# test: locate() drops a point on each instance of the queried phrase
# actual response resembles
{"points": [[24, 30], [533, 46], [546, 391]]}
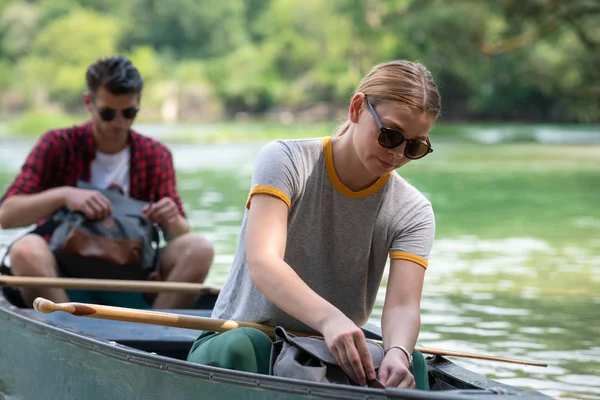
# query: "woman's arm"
{"points": [[266, 235], [401, 319]]}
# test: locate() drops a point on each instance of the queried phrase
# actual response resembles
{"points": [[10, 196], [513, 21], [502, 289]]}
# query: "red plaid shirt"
{"points": [[61, 157]]}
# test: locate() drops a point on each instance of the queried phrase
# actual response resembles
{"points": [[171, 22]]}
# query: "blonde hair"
{"points": [[403, 81]]}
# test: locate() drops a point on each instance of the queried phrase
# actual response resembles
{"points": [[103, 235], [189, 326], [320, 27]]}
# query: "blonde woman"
{"points": [[322, 217]]}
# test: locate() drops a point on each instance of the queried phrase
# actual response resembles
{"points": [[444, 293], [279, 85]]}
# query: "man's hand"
{"points": [[164, 212], [393, 371], [92, 203]]}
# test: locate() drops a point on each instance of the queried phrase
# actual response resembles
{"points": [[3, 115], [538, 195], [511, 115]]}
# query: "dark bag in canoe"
{"points": [[122, 246], [309, 358]]}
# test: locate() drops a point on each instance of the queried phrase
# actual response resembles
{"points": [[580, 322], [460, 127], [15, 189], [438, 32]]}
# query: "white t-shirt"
{"points": [[111, 170]]}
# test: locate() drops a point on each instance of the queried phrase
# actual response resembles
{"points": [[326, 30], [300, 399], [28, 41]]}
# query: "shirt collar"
{"points": [[88, 145]]}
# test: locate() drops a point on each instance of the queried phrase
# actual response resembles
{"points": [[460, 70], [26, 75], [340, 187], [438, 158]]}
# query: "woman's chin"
{"points": [[383, 166]]}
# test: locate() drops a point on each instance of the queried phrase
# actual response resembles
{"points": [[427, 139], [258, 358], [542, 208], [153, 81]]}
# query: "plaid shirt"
{"points": [[62, 157]]}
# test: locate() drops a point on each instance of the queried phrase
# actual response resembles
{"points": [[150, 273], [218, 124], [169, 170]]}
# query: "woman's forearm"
{"points": [[400, 325], [284, 288]]}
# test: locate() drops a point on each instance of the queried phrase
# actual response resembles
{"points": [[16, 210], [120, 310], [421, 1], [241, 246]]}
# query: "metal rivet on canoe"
{"points": [[210, 376]]}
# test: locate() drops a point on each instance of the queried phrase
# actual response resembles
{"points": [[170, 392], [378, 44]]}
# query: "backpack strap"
{"points": [[156, 241]]}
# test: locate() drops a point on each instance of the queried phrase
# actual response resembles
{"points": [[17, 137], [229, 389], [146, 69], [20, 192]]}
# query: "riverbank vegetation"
{"points": [[297, 62]]}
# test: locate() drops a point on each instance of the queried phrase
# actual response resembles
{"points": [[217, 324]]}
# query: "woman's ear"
{"points": [[356, 106]]}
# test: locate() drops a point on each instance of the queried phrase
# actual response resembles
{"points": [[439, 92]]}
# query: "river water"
{"points": [[515, 268]]}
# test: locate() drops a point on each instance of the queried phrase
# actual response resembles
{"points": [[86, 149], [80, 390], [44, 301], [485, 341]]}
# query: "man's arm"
{"points": [[26, 200], [25, 209], [177, 228], [178, 225]]}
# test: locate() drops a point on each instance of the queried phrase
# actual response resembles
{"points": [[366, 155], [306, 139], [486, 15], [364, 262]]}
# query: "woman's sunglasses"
{"points": [[108, 114], [390, 138]]}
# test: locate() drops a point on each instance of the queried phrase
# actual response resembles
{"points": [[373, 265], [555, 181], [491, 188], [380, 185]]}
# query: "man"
{"points": [[106, 152]]}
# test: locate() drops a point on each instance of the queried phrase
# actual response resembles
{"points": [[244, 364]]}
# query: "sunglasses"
{"points": [[391, 138], [108, 114]]}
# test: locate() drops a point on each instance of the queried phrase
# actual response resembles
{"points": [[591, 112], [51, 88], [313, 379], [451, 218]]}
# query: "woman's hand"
{"points": [[393, 371], [347, 343]]}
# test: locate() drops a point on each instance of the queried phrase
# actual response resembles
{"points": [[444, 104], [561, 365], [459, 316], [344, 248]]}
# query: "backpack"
{"points": [[122, 246], [309, 358]]}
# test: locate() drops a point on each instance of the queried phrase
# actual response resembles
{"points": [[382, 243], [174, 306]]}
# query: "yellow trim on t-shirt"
{"points": [[268, 190], [337, 183], [402, 255]]}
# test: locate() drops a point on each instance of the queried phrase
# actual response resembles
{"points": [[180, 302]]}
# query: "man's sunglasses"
{"points": [[108, 114], [390, 138]]}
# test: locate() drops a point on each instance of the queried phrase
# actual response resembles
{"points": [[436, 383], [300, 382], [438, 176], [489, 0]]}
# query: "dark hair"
{"points": [[116, 74]]}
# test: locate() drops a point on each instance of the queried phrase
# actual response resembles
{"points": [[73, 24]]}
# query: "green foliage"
{"points": [[534, 60], [187, 28], [19, 24], [35, 123], [61, 53]]}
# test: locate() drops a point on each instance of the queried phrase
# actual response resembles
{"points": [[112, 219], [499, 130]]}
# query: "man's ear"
{"points": [[87, 101]]}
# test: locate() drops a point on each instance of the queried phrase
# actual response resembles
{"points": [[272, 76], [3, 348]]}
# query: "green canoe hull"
{"points": [[73, 358]]}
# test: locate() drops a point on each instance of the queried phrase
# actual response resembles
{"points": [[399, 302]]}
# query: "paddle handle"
{"points": [[213, 324], [118, 285], [147, 317]]}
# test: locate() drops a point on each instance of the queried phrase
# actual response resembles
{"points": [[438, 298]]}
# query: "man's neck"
{"points": [[109, 147]]}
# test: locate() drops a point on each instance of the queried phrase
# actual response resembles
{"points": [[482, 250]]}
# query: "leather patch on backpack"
{"points": [[113, 250]]}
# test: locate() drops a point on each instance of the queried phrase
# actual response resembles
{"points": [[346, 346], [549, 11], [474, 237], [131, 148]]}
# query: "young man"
{"points": [[106, 152]]}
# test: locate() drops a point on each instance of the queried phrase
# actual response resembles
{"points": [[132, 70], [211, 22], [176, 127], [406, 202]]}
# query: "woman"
{"points": [[322, 217]]}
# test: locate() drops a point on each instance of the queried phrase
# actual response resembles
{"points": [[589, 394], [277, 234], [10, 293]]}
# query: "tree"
{"points": [[62, 52]]}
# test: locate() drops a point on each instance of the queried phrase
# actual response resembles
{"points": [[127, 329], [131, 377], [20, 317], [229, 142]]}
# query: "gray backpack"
{"points": [[309, 358], [122, 246]]}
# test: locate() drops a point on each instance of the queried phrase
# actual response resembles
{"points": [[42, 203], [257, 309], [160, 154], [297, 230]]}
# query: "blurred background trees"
{"points": [[505, 60]]}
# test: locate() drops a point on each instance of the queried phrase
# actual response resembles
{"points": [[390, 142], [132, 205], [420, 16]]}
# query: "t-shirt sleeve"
{"points": [[413, 241], [275, 172], [40, 167]]}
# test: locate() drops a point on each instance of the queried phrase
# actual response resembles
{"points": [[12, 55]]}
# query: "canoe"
{"points": [[61, 356]]}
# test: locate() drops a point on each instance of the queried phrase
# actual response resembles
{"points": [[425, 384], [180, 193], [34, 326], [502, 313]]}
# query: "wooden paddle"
{"points": [[116, 285], [212, 324]]}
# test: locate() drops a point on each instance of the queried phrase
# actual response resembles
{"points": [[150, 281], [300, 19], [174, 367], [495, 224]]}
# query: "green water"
{"points": [[516, 262]]}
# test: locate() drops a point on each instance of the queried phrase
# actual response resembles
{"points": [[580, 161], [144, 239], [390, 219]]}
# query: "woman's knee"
{"points": [[242, 349], [420, 371]]}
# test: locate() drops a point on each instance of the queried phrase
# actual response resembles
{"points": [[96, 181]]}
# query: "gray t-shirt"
{"points": [[338, 241]]}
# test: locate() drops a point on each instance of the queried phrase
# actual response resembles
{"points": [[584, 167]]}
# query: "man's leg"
{"points": [[186, 259], [30, 256]]}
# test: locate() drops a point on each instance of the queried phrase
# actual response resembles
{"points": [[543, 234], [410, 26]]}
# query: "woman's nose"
{"points": [[398, 152]]}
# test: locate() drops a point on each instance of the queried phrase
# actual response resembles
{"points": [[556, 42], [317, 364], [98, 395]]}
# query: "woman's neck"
{"points": [[348, 167]]}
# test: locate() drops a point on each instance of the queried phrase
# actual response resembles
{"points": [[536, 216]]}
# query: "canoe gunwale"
{"points": [[14, 315]]}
